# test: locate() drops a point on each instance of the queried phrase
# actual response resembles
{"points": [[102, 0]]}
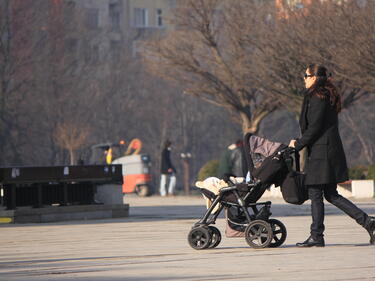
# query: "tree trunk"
{"points": [[251, 123], [72, 156], [247, 124], [185, 163], [368, 149]]}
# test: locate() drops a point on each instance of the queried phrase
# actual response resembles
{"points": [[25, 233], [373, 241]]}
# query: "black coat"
{"points": [[326, 162], [166, 162]]}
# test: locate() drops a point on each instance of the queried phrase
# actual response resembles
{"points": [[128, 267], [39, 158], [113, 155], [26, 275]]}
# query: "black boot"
{"points": [[370, 227], [312, 242]]}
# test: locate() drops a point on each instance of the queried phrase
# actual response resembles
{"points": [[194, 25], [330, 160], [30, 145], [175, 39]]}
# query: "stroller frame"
{"points": [[260, 231], [210, 217]]}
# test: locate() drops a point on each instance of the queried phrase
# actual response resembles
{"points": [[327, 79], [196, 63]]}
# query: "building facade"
{"points": [[117, 25]]}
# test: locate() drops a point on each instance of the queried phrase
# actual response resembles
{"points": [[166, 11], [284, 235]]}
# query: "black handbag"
{"points": [[293, 186]]}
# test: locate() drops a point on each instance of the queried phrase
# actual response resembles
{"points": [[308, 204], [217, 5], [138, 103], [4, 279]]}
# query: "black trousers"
{"points": [[331, 195]]}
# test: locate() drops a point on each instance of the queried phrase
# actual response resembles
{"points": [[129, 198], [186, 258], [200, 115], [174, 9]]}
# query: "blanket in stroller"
{"points": [[213, 186]]}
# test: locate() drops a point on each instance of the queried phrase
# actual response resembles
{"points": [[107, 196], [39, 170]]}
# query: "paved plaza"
{"points": [[151, 244]]}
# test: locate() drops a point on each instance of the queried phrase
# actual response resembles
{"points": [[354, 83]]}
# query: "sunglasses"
{"points": [[308, 75]]}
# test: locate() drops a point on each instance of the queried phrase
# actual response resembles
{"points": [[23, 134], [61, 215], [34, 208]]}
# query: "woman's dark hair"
{"points": [[323, 86]]}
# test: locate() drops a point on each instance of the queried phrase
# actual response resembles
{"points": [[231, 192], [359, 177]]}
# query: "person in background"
{"points": [[231, 161], [225, 164], [237, 160], [109, 155], [167, 170], [326, 162]]}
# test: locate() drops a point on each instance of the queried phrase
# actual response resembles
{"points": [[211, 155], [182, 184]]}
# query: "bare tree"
{"points": [[18, 53], [336, 34], [75, 84], [211, 59], [324, 32], [355, 35], [71, 136]]}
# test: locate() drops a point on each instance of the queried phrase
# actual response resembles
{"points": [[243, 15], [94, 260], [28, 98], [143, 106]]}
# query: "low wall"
{"points": [[63, 213], [109, 194], [363, 188]]}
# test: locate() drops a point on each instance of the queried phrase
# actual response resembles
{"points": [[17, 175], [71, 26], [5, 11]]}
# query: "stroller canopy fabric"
{"points": [[263, 146]]}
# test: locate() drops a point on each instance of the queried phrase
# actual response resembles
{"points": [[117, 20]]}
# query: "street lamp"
{"points": [[185, 162]]}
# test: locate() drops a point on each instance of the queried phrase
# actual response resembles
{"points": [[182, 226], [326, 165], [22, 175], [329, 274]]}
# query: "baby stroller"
{"points": [[267, 164]]}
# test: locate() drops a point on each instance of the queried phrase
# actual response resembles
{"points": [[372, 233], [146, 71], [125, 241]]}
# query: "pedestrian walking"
{"points": [[232, 161], [167, 170], [326, 162]]}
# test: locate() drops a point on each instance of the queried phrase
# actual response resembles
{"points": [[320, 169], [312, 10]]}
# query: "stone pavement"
{"points": [[152, 245]]}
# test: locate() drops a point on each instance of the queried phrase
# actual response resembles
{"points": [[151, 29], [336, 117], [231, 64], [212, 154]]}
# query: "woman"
{"points": [[326, 162]]}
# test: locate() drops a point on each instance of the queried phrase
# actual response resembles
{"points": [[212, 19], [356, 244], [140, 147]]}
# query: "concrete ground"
{"points": [[151, 244]]}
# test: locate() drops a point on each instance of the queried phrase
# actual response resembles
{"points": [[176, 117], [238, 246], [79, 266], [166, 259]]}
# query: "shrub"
{"points": [[357, 173], [371, 172], [208, 170]]}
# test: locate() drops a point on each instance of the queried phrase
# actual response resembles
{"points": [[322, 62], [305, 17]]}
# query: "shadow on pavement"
{"points": [[195, 212]]}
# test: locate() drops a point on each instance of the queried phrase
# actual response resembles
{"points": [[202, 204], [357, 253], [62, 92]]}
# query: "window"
{"points": [[140, 17], [115, 49], [91, 54], [114, 15], [92, 18], [95, 54], [69, 11], [172, 3], [71, 47], [159, 17]]}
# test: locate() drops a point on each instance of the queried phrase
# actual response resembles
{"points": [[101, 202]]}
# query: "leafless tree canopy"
{"points": [[243, 56], [337, 34], [71, 136], [211, 54], [247, 57], [59, 95]]}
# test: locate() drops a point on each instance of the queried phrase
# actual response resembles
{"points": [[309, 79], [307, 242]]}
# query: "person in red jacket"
{"points": [[326, 162]]}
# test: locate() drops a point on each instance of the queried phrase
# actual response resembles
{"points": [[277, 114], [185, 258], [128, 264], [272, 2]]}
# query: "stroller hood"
{"points": [[261, 160], [263, 146]]}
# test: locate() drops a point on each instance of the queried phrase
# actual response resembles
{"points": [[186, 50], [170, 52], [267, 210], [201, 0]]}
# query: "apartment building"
{"points": [[117, 24]]}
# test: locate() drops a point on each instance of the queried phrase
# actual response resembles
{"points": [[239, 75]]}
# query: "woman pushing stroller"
{"points": [[326, 163]]}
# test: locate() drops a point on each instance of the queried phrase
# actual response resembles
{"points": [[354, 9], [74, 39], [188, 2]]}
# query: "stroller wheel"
{"points": [[279, 233], [258, 234], [199, 238], [215, 237]]}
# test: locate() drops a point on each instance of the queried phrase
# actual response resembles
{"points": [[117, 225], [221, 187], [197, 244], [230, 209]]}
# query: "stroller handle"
{"points": [[235, 187], [226, 189], [291, 150]]}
